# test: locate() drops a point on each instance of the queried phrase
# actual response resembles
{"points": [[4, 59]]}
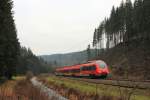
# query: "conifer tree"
{"points": [[138, 18], [9, 45], [89, 52], [128, 20], [146, 18]]}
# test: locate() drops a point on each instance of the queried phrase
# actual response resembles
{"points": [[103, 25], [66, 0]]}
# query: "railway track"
{"points": [[130, 80], [144, 84]]}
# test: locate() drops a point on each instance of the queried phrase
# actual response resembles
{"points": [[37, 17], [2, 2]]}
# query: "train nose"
{"points": [[105, 71]]}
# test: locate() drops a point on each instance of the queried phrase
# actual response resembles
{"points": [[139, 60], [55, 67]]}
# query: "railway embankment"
{"points": [[144, 84], [75, 89]]}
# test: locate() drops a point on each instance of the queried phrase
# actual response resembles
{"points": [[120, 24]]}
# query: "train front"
{"points": [[102, 69]]}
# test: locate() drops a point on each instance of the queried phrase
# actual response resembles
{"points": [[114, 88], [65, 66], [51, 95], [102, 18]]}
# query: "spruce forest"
{"points": [[126, 23], [127, 35]]}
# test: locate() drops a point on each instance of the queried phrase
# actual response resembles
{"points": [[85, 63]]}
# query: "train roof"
{"points": [[77, 66]]}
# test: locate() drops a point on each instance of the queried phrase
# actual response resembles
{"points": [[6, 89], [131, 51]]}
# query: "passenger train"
{"points": [[90, 69]]}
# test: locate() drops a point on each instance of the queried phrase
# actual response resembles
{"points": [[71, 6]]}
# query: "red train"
{"points": [[91, 69]]}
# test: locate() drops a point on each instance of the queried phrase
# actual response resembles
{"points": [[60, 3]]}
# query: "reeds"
{"points": [[22, 90]]}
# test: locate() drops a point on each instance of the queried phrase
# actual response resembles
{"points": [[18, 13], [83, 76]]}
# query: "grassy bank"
{"points": [[100, 90], [19, 88]]}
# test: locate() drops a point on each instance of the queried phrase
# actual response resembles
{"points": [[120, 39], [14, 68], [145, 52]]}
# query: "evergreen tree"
{"points": [[95, 38], [146, 18], [99, 36], [128, 20], [9, 45], [138, 18], [89, 52], [95, 41], [122, 20]]}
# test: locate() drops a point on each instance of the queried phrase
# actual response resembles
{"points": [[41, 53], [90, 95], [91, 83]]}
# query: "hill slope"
{"points": [[129, 59], [66, 59]]}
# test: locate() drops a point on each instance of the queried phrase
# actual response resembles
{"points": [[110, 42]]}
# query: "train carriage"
{"points": [[92, 69]]}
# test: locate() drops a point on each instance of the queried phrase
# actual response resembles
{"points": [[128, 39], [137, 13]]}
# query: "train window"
{"points": [[75, 70], [88, 68], [84, 68], [93, 68], [66, 71], [102, 64], [81, 68], [71, 70]]}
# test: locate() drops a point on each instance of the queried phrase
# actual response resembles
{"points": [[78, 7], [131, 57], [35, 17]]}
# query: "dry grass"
{"points": [[20, 90], [25, 89], [7, 92]]}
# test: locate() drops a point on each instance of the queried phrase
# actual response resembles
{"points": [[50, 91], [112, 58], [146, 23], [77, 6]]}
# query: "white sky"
{"points": [[59, 26]]}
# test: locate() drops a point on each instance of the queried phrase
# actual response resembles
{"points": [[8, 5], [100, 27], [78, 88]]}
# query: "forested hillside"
{"points": [[27, 61], [127, 35], [67, 59], [126, 23]]}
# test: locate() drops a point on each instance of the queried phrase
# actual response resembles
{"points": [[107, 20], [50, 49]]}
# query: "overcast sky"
{"points": [[59, 26]]}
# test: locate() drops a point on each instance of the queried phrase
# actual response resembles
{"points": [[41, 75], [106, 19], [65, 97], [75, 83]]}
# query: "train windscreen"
{"points": [[101, 64]]}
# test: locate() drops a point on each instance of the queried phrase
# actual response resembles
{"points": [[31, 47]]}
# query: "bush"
{"points": [[29, 75]]}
